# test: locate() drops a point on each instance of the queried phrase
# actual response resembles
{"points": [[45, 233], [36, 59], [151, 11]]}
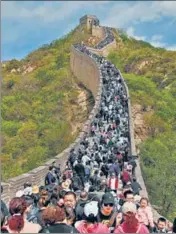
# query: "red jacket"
{"points": [[125, 176]]}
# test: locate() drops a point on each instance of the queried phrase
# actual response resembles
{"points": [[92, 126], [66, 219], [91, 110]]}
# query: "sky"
{"points": [[27, 25]]}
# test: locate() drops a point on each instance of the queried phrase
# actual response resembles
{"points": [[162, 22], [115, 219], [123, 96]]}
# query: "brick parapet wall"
{"points": [[105, 50], [98, 31]]}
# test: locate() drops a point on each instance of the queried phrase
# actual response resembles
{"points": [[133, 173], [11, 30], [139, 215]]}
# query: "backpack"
{"points": [[80, 210]]}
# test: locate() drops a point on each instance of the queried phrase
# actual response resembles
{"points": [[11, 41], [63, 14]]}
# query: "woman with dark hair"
{"points": [[90, 223], [17, 223], [55, 220]]}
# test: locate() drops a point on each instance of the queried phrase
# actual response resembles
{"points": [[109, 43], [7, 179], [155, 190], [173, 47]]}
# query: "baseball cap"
{"points": [[108, 198], [129, 207], [91, 208]]}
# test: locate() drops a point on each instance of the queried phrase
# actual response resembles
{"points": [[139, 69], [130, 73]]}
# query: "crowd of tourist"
{"points": [[97, 191], [107, 40]]}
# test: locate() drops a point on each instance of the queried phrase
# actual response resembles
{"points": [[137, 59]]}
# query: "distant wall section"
{"points": [[86, 70], [98, 31], [105, 50]]}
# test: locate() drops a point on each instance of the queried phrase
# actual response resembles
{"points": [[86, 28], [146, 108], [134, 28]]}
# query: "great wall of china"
{"points": [[89, 74]]}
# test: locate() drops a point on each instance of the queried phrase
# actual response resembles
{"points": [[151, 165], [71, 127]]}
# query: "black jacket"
{"points": [[59, 228], [80, 209], [79, 168], [76, 183]]}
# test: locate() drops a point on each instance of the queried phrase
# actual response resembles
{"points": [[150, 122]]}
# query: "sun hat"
{"points": [[35, 189], [65, 185]]}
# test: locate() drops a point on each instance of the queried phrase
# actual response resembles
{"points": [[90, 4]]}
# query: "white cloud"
{"points": [[131, 32], [166, 8], [158, 44], [157, 37], [35, 17], [124, 13], [173, 48], [48, 11], [155, 40]]}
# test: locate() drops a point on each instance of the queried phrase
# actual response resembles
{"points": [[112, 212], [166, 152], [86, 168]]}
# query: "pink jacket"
{"points": [[141, 229], [145, 216], [93, 228]]}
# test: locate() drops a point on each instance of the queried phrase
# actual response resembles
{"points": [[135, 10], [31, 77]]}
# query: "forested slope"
{"points": [[151, 77], [39, 106]]}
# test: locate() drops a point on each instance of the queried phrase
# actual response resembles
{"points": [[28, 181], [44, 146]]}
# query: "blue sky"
{"points": [[28, 25]]}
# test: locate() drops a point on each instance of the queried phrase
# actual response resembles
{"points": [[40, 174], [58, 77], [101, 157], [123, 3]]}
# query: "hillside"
{"points": [[150, 74], [41, 105]]}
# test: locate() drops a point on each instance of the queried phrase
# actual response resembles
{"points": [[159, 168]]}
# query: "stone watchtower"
{"points": [[88, 21]]}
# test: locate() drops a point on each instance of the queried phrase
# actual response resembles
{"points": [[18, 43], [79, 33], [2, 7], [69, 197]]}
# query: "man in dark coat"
{"points": [[80, 170]]}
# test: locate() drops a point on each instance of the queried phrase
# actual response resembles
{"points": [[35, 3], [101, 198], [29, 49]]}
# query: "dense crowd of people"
{"points": [[97, 191], [107, 40]]}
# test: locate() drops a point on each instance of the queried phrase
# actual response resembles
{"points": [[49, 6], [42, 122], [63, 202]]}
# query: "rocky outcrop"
{"points": [[141, 131], [79, 110], [28, 68], [139, 67]]}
